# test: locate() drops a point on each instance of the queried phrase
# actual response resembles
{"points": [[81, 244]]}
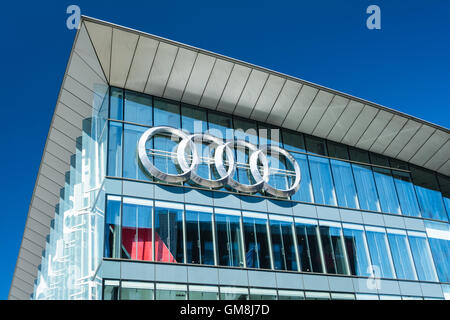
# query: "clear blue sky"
{"points": [[405, 65]]}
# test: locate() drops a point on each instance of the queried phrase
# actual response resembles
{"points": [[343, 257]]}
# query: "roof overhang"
{"points": [[107, 54]]}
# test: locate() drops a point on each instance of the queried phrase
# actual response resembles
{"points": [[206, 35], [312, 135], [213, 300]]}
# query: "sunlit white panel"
{"points": [[330, 116], [164, 59], [69, 115], [141, 64], [66, 127], [82, 92], [251, 93], [388, 134], [180, 74], [123, 47], [75, 103], [46, 195], [63, 140], [48, 184], [284, 102], [198, 79], [433, 144], [233, 88], [315, 112], [402, 138], [416, 142], [299, 107], [54, 162], [86, 51], [375, 128], [345, 120], [267, 98], [58, 151], [216, 84], [101, 37], [360, 125], [440, 157], [81, 72]]}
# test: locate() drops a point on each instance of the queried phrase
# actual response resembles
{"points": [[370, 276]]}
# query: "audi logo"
{"points": [[188, 165]]}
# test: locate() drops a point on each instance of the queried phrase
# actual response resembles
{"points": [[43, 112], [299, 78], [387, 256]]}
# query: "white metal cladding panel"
{"points": [[122, 51], [179, 75], [374, 129], [402, 138], [101, 37], [233, 89], [440, 157], [388, 134], [80, 71], [345, 121], [315, 112], [216, 83], [251, 93], [416, 142], [162, 65], [83, 93], [141, 64], [299, 107], [330, 117], [283, 103], [68, 128], [360, 125], [432, 145], [267, 98], [198, 79]]}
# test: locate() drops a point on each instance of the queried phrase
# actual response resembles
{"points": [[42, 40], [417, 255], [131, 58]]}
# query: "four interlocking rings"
{"points": [[258, 162]]}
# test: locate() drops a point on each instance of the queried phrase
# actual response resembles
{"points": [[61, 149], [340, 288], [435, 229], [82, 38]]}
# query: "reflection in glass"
{"points": [[199, 236], [290, 295], [220, 125], [305, 191], [168, 232], [406, 193], [444, 183], [166, 113], [256, 242], [111, 290], [401, 254], [263, 294], [379, 251], [357, 250], [131, 168], [333, 248], [203, 293], [283, 246], [386, 190], [422, 256], [293, 141], [193, 119], [171, 291], [322, 181], [439, 238], [115, 149], [136, 291], [308, 247], [312, 295], [229, 242], [233, 293], [138, 108], [365, 184], [137, 229], [112, 227], [116, 104], [345, 185], [342, 296]]}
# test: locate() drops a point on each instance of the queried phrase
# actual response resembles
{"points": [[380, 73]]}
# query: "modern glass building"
{"points": [[298, 192]]}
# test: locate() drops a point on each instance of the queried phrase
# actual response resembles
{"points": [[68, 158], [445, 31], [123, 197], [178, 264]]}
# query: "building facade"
{"points": [[171, 172]]}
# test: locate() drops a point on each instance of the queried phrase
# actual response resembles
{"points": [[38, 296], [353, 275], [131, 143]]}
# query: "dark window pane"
{"points": [[357, 250], [112, 227], [316, 145], [246, 130], [293, 141], [111, 290], [256, 242], [444, 183], [308, 247], [337, 150], [138, 108], [283, 246], [220, 125], [359, 155], [199, 239], [229, 242], [333, 249], [379, 160], [169, 232]]}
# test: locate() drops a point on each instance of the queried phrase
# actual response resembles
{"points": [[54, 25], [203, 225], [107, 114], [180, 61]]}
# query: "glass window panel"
{"points": [[293, 141], [333, 249], [131, 168], [138, 108], [311, 295], [246, 130], [401, 254], [386, 190], [166, 113], [406, 193], [345, 184], [364, 296], [199, 237], [111, 290], [365, 185], [411, 298], [164, 149], [220, 125], [316, 145], [322, 181], [280, 171], [308, 247], [397, 164], [203, 293], [229, 242], [168, 233], [386, 297], [116, 107], [422, 257], [380, 253], [269, 135], [137, 291], [342, 296], [171, 291], [305, 190], [283, 246], [444, 183], [115, 149], [256, 242], [357, 251], [137, 229], [112, 226], [263, 294], [379, 160], [359, 155], [233, 293], [430, 199], [337, 150], [290, 295], [439, 238], [193, 119]]}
